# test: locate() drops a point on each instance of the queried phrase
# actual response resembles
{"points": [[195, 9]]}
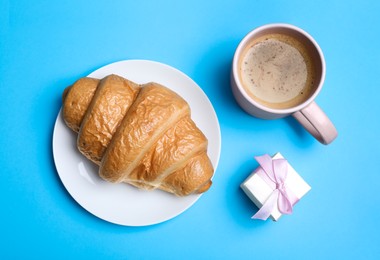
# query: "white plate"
{"points": [[121, 203]]}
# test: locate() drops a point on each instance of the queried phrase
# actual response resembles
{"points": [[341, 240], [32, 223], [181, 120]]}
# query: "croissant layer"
{"points": [[112, 99]]}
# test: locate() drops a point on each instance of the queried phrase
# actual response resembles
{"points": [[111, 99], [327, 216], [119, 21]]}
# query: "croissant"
{"points": [[138, 134]]}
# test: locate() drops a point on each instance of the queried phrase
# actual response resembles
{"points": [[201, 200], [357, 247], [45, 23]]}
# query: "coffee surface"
{"points": [[277, 71]]}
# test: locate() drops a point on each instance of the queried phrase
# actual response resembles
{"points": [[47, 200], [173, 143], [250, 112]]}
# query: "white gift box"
{"points": [[258, 190]]}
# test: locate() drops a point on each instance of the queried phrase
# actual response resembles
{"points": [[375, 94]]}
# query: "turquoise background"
{"points": [[47, 45]]}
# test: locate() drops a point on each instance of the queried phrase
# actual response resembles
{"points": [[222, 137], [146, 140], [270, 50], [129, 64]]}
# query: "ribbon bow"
{"points": [[274, 173]]}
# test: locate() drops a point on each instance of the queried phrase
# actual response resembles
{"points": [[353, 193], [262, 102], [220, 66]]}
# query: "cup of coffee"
{"points": [[277, 71]]}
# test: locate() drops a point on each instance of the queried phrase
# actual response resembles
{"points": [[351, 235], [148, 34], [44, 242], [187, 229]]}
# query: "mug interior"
{"points": [[305, 39]]}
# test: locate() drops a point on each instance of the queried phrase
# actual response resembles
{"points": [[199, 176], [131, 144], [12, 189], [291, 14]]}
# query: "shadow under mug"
{"points": [[308, 113]]}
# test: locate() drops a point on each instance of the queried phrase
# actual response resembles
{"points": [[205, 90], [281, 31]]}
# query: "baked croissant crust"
{"points": [[139, 134]]}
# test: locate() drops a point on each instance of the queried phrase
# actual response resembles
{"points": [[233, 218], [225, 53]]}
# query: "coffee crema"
{"points": [[276, 70]]}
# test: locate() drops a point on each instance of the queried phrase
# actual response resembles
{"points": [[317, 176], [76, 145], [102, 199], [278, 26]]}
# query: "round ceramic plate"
{"points": [[121, 203]]}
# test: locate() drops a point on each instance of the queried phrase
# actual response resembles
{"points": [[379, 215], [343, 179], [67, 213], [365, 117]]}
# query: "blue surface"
{"points": [[45, 46]]}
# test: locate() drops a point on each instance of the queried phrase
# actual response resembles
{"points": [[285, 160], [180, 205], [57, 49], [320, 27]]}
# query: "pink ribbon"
{"points": [[274, 173]]}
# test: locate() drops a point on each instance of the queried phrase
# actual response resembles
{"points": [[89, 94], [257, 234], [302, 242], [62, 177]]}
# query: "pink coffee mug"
{"points": [[308, 113]]}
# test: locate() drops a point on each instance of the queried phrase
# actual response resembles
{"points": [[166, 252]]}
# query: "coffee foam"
{"points": [[277, 71]]}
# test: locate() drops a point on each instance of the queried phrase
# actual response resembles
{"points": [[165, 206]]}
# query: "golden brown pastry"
{"points": [[143, 136], [113, 97], [76, 100]]}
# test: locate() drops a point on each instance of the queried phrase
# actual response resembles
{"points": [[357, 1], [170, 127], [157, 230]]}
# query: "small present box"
{"points": [[275, 187]]}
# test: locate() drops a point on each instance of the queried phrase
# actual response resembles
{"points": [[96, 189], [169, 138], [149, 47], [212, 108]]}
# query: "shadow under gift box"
{"points": [[258, 190]]}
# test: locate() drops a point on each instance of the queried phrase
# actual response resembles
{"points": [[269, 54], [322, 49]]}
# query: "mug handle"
{"points": [[315, 121]]}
